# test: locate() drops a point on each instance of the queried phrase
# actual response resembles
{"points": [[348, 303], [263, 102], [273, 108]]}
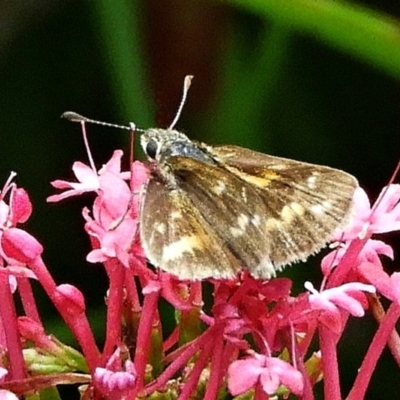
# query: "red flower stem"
{"points": [[180, 361], [28, 300], [44, 277], [373, 353], [144, 336], [82, 331], [328, 343], [77, 322], [231, 352], [299, 355], [116, 275], [347, 263], [216, 375], [132, 294], [171, 340], [307, 390], [132, 157], [131, 307], [195, 373], [379, 314], [10, 327]]}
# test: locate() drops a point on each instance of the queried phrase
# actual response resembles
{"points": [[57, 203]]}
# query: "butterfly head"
{"points": [[159, 143]]}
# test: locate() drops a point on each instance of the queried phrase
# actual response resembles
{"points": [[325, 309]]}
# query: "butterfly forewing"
{"points": [[210, 211]]}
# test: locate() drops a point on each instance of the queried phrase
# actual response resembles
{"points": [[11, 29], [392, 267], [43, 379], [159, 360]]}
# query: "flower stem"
{"points": [[328, 343], [10, 326], [28, 300], [374, 351], [116, 276], [144, 336]]}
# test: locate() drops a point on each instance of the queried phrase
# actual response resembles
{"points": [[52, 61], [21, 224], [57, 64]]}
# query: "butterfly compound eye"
{"points": [[151, 149]]}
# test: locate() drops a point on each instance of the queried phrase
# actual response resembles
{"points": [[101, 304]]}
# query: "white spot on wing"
{"points": [[243, 221], [244, 194], [311, 182], [236, 232], [176, 215], [161, 228], [327, 204], [219, 188], [291, 211], [317, 209], [321, 208], [186, 244], [256, 220]]}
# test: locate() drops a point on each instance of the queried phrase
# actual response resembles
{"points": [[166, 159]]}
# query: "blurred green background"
{"points": [[316, 81]]}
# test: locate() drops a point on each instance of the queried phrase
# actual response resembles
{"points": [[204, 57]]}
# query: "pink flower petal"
{"points": [[7, 395], [113, 165], [72, 298], [20, 245], [21, 206], [286, 374], [243, 375], [272, 372], [3, 374], [4, 213], [88, 181], [116, 383]]}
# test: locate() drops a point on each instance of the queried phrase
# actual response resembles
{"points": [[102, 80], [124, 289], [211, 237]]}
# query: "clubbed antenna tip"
{"points": [[73, 116]]}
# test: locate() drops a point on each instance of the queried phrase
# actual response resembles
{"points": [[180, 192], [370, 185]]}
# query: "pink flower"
{"points": [[347, 297], [270, 372], [17, 246], [384, 216], [113, 223], [88, 179], [114, 220], [388, 286], [371, 252], [118, 378]]}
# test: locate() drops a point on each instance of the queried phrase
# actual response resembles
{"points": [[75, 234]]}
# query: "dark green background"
{"points": [[313, 80]]}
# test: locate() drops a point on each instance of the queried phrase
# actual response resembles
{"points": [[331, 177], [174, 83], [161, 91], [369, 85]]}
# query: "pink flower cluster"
{"points": [[254, 339]]}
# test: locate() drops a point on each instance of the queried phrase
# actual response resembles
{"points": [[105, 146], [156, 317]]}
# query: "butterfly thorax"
{"points": [[162, 144]]}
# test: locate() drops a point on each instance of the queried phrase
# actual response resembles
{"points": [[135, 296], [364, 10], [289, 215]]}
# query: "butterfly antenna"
{"points": [[186, 85], [75, 117]]}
